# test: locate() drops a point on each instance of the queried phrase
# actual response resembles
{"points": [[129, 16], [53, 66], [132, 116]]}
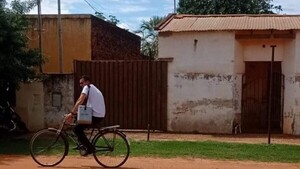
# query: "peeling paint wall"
{"points": [[291, 114], [58, 85], [43, 104], [203, 94], [205, 104], [205, 79], [288, 69]]}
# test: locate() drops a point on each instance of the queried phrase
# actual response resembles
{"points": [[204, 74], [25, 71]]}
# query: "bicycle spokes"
{"points": [[112, 149]]}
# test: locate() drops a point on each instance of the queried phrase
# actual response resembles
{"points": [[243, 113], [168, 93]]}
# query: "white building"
{"points": [[220, 73]]}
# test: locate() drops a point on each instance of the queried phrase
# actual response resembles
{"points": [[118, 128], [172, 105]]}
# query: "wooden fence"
{"points": [[135, 92]]}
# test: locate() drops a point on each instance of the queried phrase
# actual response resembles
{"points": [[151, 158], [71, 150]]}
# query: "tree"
{"points": [[111, 18], [18, 62], [149, 37], [227, 7]]}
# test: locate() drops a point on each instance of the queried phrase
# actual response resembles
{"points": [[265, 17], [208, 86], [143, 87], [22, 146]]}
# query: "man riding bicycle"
{"points": [[95, 100]]}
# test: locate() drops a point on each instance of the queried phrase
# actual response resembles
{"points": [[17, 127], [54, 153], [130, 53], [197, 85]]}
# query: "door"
{"points": [[255, 97]]}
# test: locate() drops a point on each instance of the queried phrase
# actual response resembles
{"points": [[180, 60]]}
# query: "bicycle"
{"points": [[10, 121], [49, 147]]}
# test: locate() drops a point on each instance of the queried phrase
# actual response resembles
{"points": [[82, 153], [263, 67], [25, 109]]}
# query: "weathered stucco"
{"points": [[201, 81], [30, 105], [58, 84], [205, 104], [37, 106], [291, 70], [205, 78]]}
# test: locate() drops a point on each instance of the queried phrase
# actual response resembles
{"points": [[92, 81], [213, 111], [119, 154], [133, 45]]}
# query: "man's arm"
{"points": [[78, 102]]}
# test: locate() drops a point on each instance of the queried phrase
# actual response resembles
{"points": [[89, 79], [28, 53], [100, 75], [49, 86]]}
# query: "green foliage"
{"points": [[18, 62], [111, 18], [227, 7], [149, 37]]}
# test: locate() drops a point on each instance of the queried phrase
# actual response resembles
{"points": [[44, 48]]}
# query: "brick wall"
{"points": [[110, 42]]}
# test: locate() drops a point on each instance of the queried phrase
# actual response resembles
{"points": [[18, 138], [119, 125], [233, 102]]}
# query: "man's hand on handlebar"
{"points": [[69, 118]]}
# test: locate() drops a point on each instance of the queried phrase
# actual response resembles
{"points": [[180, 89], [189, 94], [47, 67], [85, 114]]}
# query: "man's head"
{"points": [[84, 80]]}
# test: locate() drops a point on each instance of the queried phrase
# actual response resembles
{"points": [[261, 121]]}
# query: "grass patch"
{"points": [[217, 150], [196, 149]]}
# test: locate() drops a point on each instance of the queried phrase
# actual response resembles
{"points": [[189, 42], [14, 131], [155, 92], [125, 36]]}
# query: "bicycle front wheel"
{"points": [[111, 149], [48, 147]]}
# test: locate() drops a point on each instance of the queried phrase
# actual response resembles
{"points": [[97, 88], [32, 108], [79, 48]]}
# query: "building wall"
{"points": [[201, 81], [30, 105], [205, 79], [292, 87], [260, 50], [287, 51], [58, 98], [110, 42], [76, 40], [43, 104]]}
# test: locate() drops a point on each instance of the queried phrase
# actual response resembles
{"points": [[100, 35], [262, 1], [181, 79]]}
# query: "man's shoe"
{"points": [[84, 152], [91, 150]]}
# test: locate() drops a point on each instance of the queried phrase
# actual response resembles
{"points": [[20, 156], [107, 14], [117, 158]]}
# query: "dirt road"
{"points": [[77, 162], [74, 162]]}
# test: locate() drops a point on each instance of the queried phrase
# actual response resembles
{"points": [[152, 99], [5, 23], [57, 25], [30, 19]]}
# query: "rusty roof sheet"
{"points": [[188, 23]]}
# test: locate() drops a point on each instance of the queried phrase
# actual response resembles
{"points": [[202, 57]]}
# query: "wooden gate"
{"points": [[135, 92], [255, 99]]}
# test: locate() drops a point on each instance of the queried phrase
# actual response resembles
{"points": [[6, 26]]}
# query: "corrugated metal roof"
{"points": [[187, 23]]}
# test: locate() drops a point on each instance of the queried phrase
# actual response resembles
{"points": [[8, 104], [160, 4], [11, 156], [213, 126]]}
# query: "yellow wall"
{"points": [[76, 37]]}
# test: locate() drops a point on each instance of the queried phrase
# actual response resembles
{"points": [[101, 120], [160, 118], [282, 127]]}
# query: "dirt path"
{"points": [[77, 162], [73, 162]]}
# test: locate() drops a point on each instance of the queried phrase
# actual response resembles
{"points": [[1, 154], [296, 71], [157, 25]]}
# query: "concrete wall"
{"points": [[43, 104], [55, 86], [201, 81], [30, 105], [260, 50], [76, 40], [205, 79], [291, 123], [287, 51]]}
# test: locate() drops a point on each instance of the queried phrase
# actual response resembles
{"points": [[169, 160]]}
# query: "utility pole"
{"points": [[40, 29], [175, 11], [59, 38]]}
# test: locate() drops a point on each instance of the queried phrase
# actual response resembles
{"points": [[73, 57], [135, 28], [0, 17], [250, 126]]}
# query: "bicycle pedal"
{"points": [[75, 148], [78, 147]]}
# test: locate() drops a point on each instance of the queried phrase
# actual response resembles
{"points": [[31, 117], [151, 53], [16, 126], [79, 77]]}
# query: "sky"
{"points": [[132, 12]]}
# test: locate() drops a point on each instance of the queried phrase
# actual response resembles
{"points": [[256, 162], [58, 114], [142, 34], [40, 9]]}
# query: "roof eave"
{"points": [[165, 21]]}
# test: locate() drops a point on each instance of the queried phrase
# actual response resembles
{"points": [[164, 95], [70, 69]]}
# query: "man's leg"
{"points": [[79, 131]]}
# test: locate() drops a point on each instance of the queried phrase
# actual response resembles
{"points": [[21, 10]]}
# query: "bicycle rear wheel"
{"points": [[48, 147], [111, 149]]}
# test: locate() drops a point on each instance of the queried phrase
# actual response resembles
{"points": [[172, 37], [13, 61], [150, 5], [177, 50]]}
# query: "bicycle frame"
{"points": [[91, 138], [106, 140]]}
